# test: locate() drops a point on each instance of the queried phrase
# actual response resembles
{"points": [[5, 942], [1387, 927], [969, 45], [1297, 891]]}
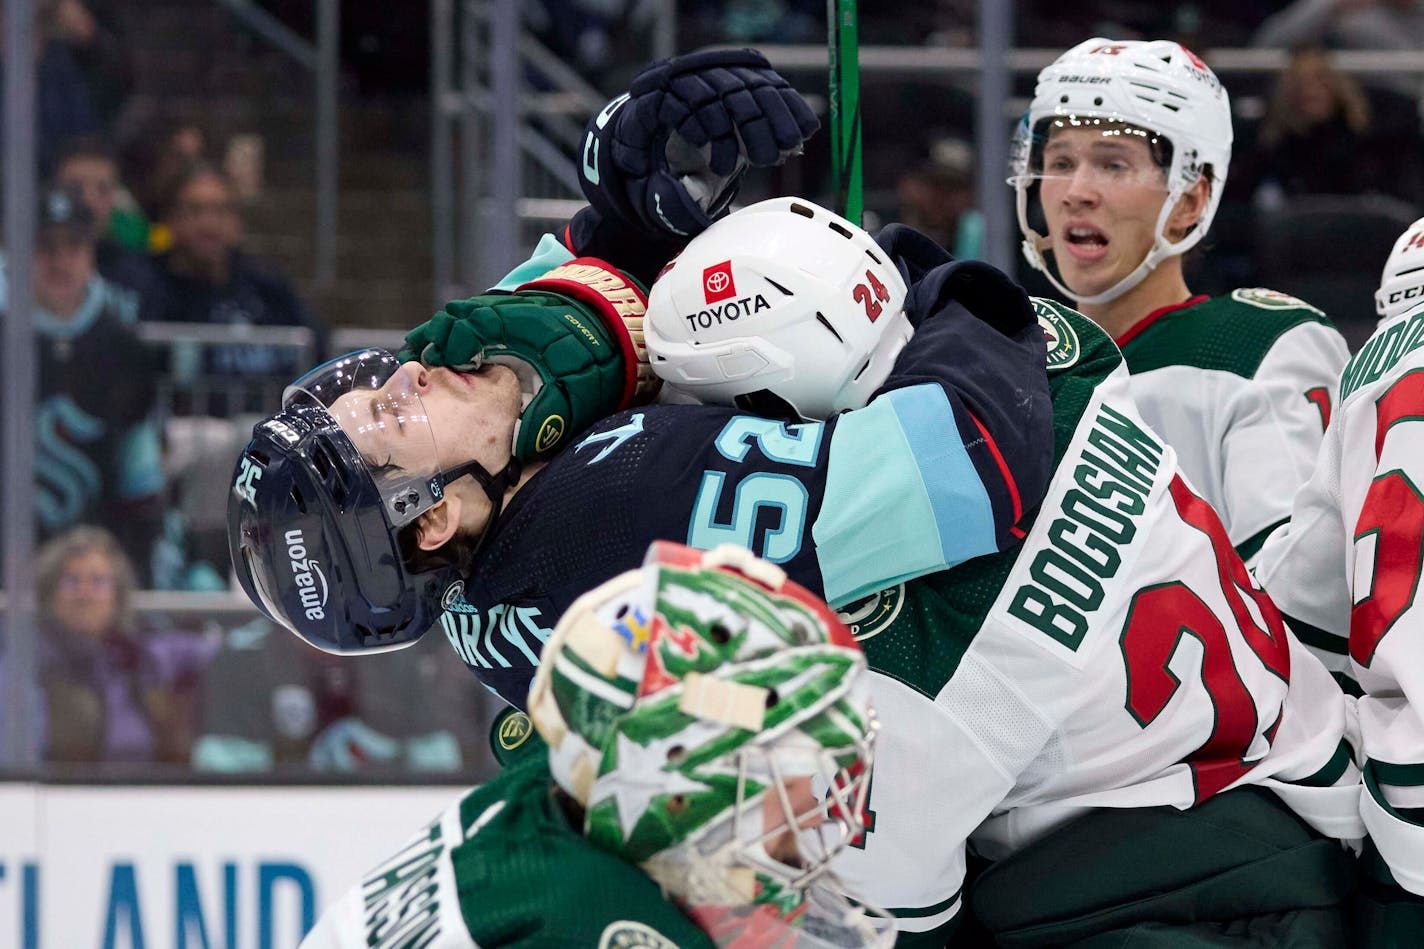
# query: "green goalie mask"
{"points": [[713, 719]]}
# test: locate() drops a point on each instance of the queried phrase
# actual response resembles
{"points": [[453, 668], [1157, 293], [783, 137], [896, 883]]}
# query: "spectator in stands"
{"points": [[90, 166], [937, 198], [270, 701], [1351, 24], [96, 434], [113, 690], [64, 105], [155, 161], [1318, 138], [205, 277], [96, 48]]}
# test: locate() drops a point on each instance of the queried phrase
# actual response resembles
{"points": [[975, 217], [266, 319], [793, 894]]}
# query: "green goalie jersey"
{"points": [[502, 869]]}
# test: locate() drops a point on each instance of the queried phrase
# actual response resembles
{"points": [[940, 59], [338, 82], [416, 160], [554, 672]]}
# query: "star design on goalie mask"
{"points": [[633, 784]]}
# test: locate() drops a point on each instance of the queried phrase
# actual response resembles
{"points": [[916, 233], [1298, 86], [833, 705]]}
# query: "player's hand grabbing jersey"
{"points": [[502, 869], [1120, 657], [1346, 571], [937, 469], [1241, 386]]}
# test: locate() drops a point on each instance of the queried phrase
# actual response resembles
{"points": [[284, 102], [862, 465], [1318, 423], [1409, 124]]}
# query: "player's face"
{"points": [[1101, 196], [85, 599], [64, 263], [470, 415], [97, 181], [803, 801]]}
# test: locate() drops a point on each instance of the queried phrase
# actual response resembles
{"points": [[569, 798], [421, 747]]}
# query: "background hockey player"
{"points": [[696, 710], [1119, 166], [1345, 571]]}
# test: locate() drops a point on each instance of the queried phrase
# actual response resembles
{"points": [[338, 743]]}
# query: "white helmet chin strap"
{"points": [[1034, 244]]}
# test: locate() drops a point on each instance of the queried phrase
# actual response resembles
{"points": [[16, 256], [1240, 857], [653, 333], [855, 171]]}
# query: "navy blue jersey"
{"points": [[940, 467]]}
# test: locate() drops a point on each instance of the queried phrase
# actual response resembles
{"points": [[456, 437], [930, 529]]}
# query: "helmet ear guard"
{"points": [[1402, 282]]}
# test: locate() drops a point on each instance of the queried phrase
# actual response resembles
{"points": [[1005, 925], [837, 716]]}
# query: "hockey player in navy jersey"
{"points": [[1122, 157], [1028, 686]]}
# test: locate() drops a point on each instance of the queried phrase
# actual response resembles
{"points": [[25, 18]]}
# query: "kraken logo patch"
{"points": [[874, 614], [626, 934], [454, 593], [1062, 340]]}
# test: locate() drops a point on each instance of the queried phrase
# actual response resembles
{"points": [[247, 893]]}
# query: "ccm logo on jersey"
{"points": [[311, 582]]}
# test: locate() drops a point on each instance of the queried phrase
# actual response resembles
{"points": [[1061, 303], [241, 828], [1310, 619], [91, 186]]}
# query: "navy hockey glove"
{"points": [[668, 155]]}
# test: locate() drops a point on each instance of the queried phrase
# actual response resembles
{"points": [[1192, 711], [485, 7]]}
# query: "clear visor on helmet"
{"points": [[1097, 151], [375, 402]]}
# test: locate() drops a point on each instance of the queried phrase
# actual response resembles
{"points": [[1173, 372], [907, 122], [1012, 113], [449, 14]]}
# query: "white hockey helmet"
{"points": [[1158, 86], [781, 297], [1402, 283]]}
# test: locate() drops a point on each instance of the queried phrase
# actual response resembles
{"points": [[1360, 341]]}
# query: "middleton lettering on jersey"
{"points": [[729, 311], [472, 634], [1381, 353], [400, 896], [1096, 519]]}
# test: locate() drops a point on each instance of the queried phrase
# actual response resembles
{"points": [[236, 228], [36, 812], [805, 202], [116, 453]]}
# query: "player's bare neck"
{"points": [[1164, 286]]}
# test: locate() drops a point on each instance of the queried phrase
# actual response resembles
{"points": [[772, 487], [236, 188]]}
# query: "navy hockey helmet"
{"points": [[314, 521]]}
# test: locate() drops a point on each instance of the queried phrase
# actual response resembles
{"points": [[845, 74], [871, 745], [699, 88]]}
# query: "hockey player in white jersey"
{"points": [[1118, 168], [1346, 571], [1094, 689]]}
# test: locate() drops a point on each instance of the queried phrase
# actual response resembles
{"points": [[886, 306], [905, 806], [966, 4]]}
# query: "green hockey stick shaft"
{"points": [[843, 45]]}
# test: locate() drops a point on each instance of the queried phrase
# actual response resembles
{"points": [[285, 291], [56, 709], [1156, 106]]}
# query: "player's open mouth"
{"points": [[1085, 242]]}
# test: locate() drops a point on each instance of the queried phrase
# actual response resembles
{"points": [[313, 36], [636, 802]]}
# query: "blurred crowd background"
{"points": [[179, 282]]}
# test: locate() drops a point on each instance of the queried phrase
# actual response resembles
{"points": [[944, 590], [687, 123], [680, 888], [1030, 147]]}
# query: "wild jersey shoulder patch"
{"points": [[1270, 299], [1060, 337], [627, 934], [875, 613]]}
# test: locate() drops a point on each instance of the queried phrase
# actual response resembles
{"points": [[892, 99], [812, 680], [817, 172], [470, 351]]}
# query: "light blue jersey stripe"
{"points": [[902, 496], [550, 253]]}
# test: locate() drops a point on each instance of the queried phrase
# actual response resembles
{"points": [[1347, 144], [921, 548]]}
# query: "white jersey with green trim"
{"points": [[1121, 656], [1346, 573], [1241, 386]]}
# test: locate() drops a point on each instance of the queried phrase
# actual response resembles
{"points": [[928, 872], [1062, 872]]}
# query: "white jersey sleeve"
{"points": [[1241, 387], [1348, 568]]}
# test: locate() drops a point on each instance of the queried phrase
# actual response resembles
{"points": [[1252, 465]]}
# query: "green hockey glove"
{"points": [[574, 336]]}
